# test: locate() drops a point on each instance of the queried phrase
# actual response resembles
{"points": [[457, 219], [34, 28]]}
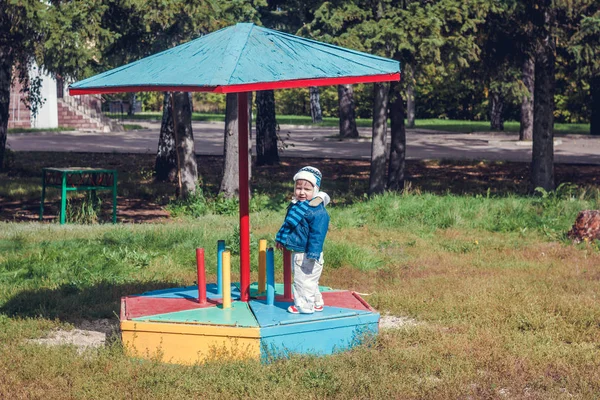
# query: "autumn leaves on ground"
{"points": [[501, 303]]}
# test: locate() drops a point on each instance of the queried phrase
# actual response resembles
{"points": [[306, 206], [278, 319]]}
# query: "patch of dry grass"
{"points": [[503, 306]]}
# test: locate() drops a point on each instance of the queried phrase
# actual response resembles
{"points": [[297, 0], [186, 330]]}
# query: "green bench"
{"points": [[76, 179]]}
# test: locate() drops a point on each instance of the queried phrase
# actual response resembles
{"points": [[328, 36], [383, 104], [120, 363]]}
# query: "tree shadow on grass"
{"points": [[71, 303]]}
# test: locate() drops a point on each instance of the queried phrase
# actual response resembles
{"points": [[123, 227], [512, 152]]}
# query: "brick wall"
{"points": [[19, 114]]}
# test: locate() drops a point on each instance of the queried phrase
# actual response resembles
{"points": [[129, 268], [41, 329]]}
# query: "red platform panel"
{"points": [[142, 306], [345, 299]]}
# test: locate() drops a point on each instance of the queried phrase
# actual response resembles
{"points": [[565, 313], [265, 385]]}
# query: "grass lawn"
{"points": [[131, 127], [36, 130], [433, 124], [484, 126], [502, 304]]}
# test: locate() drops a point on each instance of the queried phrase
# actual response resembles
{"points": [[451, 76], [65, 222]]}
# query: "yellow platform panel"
{"points": [[189, 344]]}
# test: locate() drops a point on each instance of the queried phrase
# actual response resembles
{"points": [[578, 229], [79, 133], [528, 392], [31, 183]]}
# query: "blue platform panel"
{"points": [[191, 292], [277, 314], [318, 337], [238, 315]]}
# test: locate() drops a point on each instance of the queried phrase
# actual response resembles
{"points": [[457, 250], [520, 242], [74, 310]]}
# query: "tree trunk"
{"points": [[165, 167], [526, 129], [266, 129], [315, 105], [130, 112], [410, 96], [397, 166], [496, 108], [346, 112], [6, 65], [595, 106], [184, 139], [542, 162], [378, 145], [230, 185]]}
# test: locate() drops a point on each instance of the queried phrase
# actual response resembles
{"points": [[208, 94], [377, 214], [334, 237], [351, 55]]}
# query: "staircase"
{"points": [[84, 113]]}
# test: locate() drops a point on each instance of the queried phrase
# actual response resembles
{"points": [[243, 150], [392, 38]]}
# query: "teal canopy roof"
{"points": [[239, 58]]}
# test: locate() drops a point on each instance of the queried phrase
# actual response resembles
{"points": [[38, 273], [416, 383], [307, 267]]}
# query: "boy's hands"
{"points": [[279, 246]]}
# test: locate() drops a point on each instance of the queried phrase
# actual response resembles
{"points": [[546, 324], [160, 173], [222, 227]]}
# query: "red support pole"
{"points": [[244, 197], [201, 276], [287, 275]]}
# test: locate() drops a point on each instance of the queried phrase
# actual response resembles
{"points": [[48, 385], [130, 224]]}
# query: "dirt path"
{"points": [[319, 143]]}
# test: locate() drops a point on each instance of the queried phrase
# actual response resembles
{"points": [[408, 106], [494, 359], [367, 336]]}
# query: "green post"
{"points": [[114, 197], [43, 194], [63, 199]]}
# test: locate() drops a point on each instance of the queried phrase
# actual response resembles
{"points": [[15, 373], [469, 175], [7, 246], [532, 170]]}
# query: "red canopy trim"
{"points": [[247, 87], [141, 88], [250, 87]]}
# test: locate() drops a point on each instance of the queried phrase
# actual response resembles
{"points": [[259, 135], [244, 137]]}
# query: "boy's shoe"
{"points": [[294, 310], [318, 308]]}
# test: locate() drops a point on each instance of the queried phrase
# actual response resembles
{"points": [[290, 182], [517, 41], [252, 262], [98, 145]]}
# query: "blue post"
{"points": [[220, 250], [270, 277]]}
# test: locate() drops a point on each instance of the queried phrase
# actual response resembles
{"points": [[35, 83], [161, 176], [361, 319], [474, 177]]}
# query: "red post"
{"points": [[201, 276], [244, 196], [287, 275]]}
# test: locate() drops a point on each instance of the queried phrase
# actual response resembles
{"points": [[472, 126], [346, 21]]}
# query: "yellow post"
{"points": [[262, 265], [226, 279]]}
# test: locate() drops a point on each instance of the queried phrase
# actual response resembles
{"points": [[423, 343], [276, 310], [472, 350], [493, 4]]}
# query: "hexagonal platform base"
{"points": [[170, 325]]}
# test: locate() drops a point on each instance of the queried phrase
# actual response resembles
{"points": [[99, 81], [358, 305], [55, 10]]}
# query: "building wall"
{"points": [[47, 116]]}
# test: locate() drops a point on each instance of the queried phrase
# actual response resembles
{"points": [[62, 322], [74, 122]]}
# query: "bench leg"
{"points": [[114, 193], [43, 196], [63, 200]]}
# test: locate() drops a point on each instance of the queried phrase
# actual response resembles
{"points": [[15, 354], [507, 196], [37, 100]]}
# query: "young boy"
{"points": [[303, 232]]}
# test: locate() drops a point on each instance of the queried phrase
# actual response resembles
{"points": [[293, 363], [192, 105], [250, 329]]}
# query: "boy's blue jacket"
{"points": [[309, 235]]}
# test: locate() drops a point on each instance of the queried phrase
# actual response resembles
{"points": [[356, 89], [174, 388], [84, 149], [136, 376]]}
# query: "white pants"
{"points": [[306, 282]]}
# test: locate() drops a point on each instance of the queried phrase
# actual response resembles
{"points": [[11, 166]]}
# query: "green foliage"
{"points": [[292, 102], [201, 203], [142, 28], [297, 102], [84, 211], [151, 101], [195, 205], [209, 103], [584, 43], [70, 28], [232, 241], [343, 254], [132, 127], [23, 24], [430, 39], [554, 211]]}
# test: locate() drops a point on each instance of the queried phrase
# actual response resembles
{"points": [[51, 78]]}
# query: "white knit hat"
{"points": [[311, 174]]}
